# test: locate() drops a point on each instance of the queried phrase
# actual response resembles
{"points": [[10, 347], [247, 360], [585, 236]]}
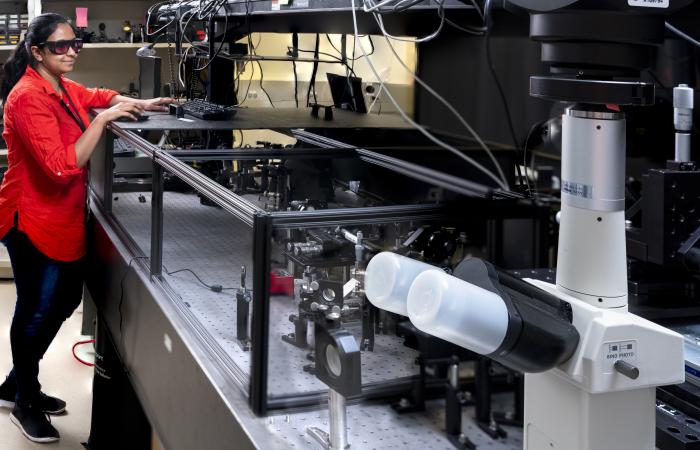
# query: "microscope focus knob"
{"points": [[627, 369]]}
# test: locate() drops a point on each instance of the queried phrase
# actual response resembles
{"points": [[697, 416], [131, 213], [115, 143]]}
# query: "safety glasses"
{"points": [[61, 47]]}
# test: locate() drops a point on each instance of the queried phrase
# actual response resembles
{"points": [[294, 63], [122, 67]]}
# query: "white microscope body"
{"points": [[591, 373], [602, 398]]}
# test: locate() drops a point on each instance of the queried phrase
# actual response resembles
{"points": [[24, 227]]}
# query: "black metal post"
{"points": [[482, 386], [157, 220], [108, 171], [416, 402], [212, 51], [262, 236], [453, 409], [495, 240], [369, 319]]}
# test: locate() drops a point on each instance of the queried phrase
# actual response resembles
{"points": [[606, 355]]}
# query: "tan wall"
{"points": [[117, 67], [111, 13]]}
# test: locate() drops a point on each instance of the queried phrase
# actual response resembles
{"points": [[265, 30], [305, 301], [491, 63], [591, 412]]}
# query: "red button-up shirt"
{"points": [[43, 183]]}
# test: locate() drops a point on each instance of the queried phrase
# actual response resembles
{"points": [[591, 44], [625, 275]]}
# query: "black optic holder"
{"points": [[599, 92]]}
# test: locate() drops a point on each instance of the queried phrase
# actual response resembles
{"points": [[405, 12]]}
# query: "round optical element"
{"points": [[328, 294], [333, 361]]}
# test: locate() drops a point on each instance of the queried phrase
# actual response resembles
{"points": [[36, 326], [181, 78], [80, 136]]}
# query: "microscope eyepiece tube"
{"points": [[459, 312], [478, 308], [494, 314], [388, 278]]}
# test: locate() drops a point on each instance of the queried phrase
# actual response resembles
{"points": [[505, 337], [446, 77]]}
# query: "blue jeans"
{"points": [[48, 291]]}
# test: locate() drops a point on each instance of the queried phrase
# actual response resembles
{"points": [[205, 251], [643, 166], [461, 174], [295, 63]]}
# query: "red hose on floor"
{"points": [[90, 341]]}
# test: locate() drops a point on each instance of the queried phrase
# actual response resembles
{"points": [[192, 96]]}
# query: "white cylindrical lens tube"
{"points": [[683, 107], [459, 312], [388, 278]]}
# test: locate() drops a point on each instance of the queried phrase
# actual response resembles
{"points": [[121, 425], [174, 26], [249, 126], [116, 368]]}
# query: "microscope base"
{"points": [[560, 415]]}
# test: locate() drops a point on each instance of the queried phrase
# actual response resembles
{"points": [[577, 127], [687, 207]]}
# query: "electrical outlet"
{"points": [[252, 94]]}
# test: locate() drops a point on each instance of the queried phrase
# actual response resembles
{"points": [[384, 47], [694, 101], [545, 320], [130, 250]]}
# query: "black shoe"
{"points": [[8, 390], [34, 423], [50, 405]]}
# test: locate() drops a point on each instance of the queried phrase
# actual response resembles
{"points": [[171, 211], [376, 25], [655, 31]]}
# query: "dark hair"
{"points": [[39, 30]]}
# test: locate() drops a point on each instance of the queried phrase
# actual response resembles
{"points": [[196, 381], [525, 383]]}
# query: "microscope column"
{"points": [[592, 258], [591, 266]]}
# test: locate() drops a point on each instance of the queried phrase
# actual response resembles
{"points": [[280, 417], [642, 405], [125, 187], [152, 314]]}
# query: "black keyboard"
{"points": [[121, 146], [208, 111]]}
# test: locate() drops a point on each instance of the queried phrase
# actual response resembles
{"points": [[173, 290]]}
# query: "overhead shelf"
{"points": [[114, 45]]}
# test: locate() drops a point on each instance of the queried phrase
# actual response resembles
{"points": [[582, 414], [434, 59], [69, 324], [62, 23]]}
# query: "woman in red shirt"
{"points": [[42, 201]]}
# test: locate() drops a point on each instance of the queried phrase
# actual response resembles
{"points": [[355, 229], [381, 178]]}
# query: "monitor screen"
{"points": [[347, 92], [149, 76]]}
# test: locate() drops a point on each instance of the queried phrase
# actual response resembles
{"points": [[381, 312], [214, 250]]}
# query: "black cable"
{"points": [[492, 69], [250, 81], [190, 92], [371, 52], [252, 50], [296, 84], [328, 37], [223, 38], [335, 58], [535, 126], [253, 53], [213, 287], [312, 82], [294, 53], [348, 71], [236, 81], [262, 78], [316, 64]]}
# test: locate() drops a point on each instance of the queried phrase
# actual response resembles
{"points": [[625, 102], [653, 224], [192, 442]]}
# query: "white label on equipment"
{"points": [[275, 6], [612, 351], [300, 4], [577, 189], [649, 3]]}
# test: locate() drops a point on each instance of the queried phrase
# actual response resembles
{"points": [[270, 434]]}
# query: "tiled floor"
{"points": [[60, 375]]}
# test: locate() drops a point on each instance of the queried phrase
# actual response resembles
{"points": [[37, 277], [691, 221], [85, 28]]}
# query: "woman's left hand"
{"points": [[157, 104]]}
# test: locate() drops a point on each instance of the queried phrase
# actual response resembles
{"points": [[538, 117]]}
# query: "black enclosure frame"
{"points": [[263, 224]]}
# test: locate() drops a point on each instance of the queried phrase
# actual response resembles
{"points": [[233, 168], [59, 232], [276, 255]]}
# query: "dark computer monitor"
{"points": [[149, 76], [347, 92]]}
